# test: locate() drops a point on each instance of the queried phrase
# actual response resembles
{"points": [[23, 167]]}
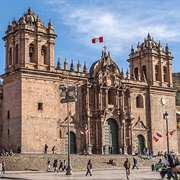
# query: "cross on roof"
{"points": [[105, 48]]}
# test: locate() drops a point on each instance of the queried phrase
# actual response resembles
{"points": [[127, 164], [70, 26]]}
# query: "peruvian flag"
{"points": [[97, 40], [156, 137], [81, 132], [87, 131], [170, 133]]}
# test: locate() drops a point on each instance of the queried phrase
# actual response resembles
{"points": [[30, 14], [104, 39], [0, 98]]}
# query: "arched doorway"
{"points": [[140, 144], [111, 136], [72, 143]]}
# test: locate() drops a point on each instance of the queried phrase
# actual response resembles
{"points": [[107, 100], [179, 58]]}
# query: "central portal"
{"points": [[111, 137]]}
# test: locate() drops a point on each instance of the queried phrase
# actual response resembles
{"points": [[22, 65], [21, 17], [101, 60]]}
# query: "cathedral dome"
{"points": [[148, 43], [30, 17], [103, 64]]}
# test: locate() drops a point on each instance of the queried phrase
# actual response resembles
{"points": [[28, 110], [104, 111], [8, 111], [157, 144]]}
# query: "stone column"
{"points": [[161, 73], [124, 137], [130, 138], [89, 136], [122, 101], [98, 136], [117, 99], [106, 96], [102, 135], [51, 53], [96, 98], [170, 74], [38, 52], [100, 100], [152, 72], [87, 100]]}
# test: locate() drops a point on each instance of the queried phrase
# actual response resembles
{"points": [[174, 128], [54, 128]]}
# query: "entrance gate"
{"points": [[72, 143], [140, 144], [111, 136]]}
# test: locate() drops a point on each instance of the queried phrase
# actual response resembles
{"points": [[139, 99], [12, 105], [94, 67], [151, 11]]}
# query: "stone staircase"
{"points": [[38, 162]]}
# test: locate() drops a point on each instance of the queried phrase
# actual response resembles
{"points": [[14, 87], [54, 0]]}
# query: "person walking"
{"points": [[0, 167], [64, 165], [89, 168], [55, 165], [169, 167], [60, 166], [45, 149], [53, 150], [3, 167], [134, 163], [127, 166], [48, 165]]}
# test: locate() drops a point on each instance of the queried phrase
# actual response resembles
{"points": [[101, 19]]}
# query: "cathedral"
{"points": [[100, 109]]}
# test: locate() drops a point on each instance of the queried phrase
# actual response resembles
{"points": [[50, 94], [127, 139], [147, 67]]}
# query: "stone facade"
{"points": [[113, 108]]}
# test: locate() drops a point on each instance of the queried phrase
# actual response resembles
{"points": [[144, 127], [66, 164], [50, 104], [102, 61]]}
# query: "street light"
{"points": [[165, 116], [68, 94]]}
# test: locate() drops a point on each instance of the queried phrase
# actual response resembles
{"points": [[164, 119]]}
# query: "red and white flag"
{"points": [[156, 137], [97, 40], [87, 131], [170, 133], [81, 132]]}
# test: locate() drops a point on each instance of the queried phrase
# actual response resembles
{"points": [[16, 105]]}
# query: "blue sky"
{"points": [[121, 23]]}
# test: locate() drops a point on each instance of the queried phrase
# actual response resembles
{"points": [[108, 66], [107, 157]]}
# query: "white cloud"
{"points": [[122, 24]]}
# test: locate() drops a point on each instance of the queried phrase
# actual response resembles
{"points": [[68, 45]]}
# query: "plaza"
{"points": [[140, 174]]}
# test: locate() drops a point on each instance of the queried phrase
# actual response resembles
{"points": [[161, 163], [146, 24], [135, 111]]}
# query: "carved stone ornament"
{"points": [[72, 121], [140, 125]]}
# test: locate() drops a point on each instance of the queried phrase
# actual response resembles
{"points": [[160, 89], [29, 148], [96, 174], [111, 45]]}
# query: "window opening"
{"points": [[40, 106]]}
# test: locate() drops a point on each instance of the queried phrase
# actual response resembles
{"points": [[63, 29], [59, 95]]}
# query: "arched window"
{"points": [[139, 101], [31, 53], [127, 99], [136, 73], [165, 74], [44, 54], [10, 56], [16, 54], [144, 72], [112, 96], [157, 73]]}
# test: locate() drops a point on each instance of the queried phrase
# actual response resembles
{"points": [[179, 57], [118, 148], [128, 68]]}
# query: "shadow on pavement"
{"points": [[13, 178]]}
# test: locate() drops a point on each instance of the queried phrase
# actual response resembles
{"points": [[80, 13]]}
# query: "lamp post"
{"points": [[165, 116], [68, 94]]}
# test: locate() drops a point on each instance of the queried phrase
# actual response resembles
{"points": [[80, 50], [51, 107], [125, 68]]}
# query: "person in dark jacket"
{"points": [[3, 167], [127, 166], [89, 168], [134, 163], [60, 166], [45, 149], [55, 164]]}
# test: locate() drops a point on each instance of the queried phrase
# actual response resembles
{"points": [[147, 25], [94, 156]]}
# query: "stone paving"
{"points": [[112, 174]]}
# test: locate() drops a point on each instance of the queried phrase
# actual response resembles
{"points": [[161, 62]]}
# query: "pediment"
{"points": [[140, 125], [65, 121]]}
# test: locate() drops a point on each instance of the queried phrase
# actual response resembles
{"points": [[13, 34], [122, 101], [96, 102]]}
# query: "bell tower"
{"points": [[151, 63], [29, 44]]}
